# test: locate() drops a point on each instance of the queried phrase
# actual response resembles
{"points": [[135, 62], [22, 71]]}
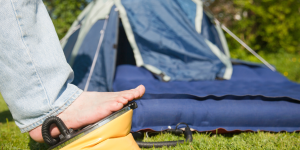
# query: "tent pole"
{"points": [[102, 32], [245, 45]]}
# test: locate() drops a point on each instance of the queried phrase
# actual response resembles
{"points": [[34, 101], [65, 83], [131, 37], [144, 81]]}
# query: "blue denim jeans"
{"points": [[34, 76]]}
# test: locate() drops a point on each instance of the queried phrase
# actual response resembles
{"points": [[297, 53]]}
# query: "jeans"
{"points": [[34, 76]]}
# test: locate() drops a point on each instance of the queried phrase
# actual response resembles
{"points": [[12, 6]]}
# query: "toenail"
{"points": [[121, 104]]}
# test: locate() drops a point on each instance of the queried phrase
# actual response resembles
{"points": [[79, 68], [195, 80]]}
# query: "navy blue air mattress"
{"points": [[254, 99]]}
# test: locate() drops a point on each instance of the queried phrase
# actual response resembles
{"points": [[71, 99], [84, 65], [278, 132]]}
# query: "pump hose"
{"points": [[187, 135]]}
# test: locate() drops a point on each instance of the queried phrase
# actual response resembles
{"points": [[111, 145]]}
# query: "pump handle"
{"points": [[64, 131]]}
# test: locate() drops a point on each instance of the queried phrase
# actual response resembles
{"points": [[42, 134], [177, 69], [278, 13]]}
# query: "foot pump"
{"points": [[112, 132]]}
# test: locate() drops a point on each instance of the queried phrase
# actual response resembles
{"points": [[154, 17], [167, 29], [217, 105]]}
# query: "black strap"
{"points": [[187, 135]]}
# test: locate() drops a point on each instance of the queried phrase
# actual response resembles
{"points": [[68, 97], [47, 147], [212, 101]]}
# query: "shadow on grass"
{"points": [[33, 145], [4, 115]]}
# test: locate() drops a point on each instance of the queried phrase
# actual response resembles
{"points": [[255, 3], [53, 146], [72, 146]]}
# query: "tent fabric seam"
{"points": [[225, 60], [223, 40], [199, 15]]}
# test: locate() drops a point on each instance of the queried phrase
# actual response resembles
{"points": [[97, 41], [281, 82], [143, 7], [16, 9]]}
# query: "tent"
{"points": [[180, 54]]}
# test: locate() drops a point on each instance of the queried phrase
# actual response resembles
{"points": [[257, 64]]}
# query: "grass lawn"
{"points": [[287, 64]]}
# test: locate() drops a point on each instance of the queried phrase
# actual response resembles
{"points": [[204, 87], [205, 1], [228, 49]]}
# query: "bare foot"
{"points": [[91, 107]]}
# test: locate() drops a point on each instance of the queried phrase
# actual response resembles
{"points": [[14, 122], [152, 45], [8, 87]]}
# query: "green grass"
{"points": [[287, 64], [250, 140], [11, 137]]}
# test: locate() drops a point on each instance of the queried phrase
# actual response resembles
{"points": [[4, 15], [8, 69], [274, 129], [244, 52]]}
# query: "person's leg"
{"points": [[35, 77]]}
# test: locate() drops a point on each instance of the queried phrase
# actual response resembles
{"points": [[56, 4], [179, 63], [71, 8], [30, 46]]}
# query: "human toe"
{"points": [[115, 106], [122, 100], [128, 95], [141, 90], [135, 93]]}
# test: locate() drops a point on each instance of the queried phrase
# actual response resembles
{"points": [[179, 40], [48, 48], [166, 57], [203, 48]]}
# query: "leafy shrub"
{"points": [[266, 25], [63, 13]]}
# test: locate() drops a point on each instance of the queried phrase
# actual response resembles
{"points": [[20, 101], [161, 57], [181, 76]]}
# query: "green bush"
{"points": [[63, 13], [266, 25]]}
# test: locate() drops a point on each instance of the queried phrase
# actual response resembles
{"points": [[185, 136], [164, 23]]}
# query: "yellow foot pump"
{"points": [[112, 132]]}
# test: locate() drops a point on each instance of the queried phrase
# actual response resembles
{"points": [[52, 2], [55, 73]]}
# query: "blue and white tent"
{"points": [[181, 56]]}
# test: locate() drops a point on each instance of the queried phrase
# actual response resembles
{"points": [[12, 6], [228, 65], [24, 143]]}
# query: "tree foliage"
{"points": [[266, 25], [63, 13]]}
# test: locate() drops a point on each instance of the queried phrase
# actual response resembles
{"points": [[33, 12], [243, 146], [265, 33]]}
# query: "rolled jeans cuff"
{"points": [[63, 102]]}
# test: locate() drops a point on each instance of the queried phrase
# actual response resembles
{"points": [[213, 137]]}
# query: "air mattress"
{"points": [[256, 98]]}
